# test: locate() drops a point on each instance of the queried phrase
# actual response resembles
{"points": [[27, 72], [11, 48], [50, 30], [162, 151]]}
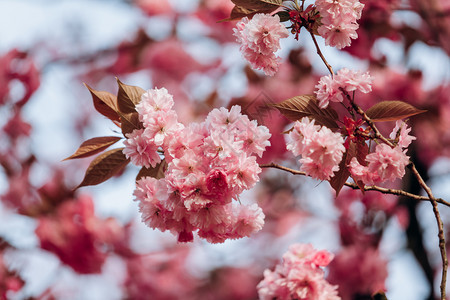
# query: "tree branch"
{"points": [[440, 224], [366, 188]]}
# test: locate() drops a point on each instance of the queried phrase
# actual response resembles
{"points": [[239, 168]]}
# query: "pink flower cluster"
{"points": [[299, 276], [384, 164], [339, 21], [209, 165], [329, 88], [260, 39], [320, 148]]}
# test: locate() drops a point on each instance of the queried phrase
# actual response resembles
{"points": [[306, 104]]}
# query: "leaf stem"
{"points": [[369, 122]]}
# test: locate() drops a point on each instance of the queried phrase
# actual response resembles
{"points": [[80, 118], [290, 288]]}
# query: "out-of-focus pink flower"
{"points": [[358, 271], [260, 39], [16, 65], [16, 127], [153, 8], [299, 276], [76, 235], [320, 148], [229, 283], [160, 275], [10, 282], [169, 58]]}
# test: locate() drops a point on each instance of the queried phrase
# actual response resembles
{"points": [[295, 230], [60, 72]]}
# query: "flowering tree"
{"points": [[199, 165]]}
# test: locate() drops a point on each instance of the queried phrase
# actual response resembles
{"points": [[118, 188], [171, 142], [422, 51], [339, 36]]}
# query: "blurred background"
{"points": [[57, 243]]}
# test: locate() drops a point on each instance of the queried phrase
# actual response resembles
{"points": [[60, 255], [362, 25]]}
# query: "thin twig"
{"points": [[319, 52], [396, 192], [440, 224], [369, 122], [366, 188]]}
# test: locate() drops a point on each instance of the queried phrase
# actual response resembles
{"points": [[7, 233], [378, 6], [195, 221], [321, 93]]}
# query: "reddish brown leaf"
{"points": [[156, 172], [130, 122], [273, 2], [284, 16], [340, 177], [307, 106], [94, 146], [260, 5], [362, 149], [247, 8], [128, 96], [104, 167], [105, 103], [238, 13], [392, 111]]}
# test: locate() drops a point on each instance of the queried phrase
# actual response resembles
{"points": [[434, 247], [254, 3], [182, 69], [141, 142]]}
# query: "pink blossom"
{"points": [[269, 64], [384, 164], [298, 276], [161, 126], [245, 171], [178, 143], [339, 21], [222, 118], [140, 149], [217, 186], [208, 165], [152, 101], [389, 163], [339, 35], [401, 132], [321, 149], [329, 88], [303, 129], [351, 80], [261, 34], [259, 39], [250, 219], [256, 138]]}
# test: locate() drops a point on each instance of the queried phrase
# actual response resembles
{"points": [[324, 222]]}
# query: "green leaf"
{"points": [[130, 122], [104, 167], [128, 96], [105, 103], [156, 172], [392, 111], [94, 146], [307, 106]]}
